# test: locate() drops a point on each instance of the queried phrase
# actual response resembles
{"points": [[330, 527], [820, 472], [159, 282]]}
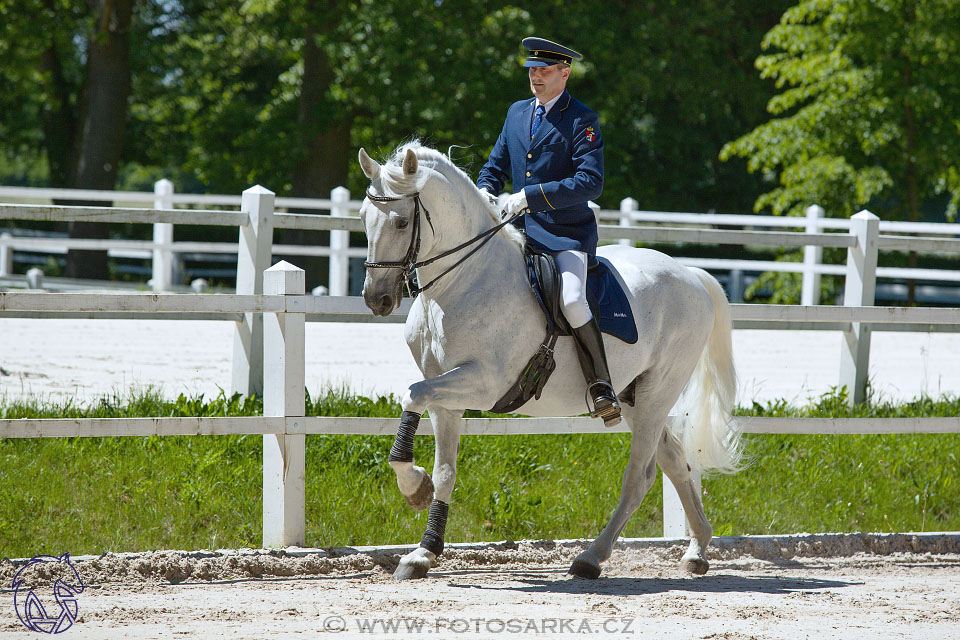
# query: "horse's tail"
{"points": [[710, 436]]}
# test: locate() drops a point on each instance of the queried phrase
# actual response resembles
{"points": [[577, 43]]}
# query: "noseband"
{"points": [[409, 262]]}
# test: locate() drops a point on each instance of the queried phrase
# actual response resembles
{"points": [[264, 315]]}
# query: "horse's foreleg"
{"points": [[463, 386], [414, 483], [460, 387], [446, 425], [673, 463]]}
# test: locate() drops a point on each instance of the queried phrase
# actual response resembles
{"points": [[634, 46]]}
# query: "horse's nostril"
{"points": [[386, 302]]}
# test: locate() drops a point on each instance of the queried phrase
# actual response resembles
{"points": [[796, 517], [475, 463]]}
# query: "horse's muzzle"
{"points": [[379, 299]]}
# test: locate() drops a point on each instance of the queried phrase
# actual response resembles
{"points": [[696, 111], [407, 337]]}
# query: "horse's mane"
{"points": [[399, 182]]}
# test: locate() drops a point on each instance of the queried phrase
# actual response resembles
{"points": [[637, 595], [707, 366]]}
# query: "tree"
{"points": [[70, 64], [869, 108], [671, 82]]}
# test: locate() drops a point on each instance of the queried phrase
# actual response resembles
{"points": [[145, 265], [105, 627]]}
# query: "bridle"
{"points": [[409, 262]]}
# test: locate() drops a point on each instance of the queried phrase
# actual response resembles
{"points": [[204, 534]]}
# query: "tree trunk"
{"points": [[324, 133], [913, 201], [59, 123], [910, 127], [98, 142]]}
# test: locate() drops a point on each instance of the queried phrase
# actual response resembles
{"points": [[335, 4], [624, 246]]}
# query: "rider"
{"points": [[550, 149]]}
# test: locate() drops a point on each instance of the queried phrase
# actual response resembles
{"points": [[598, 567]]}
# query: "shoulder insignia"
{"points": [[591, 134]]}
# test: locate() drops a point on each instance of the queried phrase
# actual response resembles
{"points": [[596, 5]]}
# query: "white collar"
{"points": [[549, 105]]}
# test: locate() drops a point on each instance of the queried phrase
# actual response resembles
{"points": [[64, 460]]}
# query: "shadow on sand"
{"points": [[619, 586]]}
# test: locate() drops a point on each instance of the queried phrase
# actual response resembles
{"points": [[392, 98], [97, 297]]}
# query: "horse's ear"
{"points": [[410, 162], [370, 167]]}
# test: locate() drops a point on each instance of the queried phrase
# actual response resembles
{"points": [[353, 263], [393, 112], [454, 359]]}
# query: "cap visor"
{"points": [[537, 63]]}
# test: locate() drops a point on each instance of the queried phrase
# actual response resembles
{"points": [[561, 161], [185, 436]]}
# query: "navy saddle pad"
{"points": [[608, 302], [605, 296]]}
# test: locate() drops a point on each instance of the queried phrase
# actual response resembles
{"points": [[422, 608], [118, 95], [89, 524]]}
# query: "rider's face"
{"points": [[548, 82]]}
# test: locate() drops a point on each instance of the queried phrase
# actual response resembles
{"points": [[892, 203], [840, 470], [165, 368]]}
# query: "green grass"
{"points": [[90, 495]]}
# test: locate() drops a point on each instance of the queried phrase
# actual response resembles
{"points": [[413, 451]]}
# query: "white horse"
{"points": [[473, 331]]}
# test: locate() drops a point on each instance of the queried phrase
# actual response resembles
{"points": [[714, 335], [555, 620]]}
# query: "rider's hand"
{"points": [[516, 203]]}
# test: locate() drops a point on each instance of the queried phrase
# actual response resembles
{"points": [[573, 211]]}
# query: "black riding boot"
{"points": [[593, 361]]}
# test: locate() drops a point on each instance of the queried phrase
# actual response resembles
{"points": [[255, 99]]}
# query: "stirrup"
{"points": [[605, 405]]}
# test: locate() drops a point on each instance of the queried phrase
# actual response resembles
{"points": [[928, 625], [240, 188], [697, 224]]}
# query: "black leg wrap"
{"points": [[402, 450], [436, 525]]}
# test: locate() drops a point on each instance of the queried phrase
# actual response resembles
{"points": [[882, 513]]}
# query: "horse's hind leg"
{"points": [[637, 478], [673, 463]]}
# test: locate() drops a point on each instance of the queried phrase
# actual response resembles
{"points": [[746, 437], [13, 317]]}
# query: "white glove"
{"points": [[516, 203]]}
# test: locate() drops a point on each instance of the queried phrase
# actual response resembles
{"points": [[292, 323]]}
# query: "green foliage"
{"points": [[868, 109], [218, 90], [89, 495]]}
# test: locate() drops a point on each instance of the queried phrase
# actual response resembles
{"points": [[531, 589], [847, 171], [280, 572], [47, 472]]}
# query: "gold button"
{"points": [[528, 174], [529, 155]]}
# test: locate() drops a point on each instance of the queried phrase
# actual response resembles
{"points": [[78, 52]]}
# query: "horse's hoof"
{"points": [[695, 565], [422, 497], [415, 565], [413, 571], [584, 569]]}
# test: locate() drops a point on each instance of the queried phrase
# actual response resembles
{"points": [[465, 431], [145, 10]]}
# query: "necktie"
{"points": [[537, 119]]}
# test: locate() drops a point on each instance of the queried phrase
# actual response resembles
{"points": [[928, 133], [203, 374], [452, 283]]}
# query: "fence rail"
{"points": [[630, 225], [222, 426], [257, 219]]}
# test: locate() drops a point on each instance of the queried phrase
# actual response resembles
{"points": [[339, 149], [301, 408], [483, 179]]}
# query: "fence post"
{"points": [[6, 255], [859, 291], [675, 523], [284, 455], [339, 275], [627, 207], [812, 256], [253, 257], [162, 234]]}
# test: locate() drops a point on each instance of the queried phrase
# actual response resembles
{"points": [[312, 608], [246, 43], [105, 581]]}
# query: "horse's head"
{"points": [[392, 222], [401, 232]]}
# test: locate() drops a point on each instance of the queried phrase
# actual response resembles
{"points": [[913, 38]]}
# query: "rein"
{"points": [[409, 262]]}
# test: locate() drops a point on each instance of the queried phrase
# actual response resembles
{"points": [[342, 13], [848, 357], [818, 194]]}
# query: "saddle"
{"points": [[606, 299]]}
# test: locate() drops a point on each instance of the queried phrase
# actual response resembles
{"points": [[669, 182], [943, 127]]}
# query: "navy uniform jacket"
{"points": [[559, 171]]}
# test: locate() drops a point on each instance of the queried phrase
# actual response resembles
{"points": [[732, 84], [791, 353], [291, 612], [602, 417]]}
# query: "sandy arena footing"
{"points": [[798, 586]]}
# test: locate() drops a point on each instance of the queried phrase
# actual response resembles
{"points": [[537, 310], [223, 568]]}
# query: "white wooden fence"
{"points": [[270, 309], [927, 237], [285, 309]]}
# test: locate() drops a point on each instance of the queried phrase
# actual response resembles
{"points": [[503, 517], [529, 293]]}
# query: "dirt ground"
{"points": [[803, 586]]}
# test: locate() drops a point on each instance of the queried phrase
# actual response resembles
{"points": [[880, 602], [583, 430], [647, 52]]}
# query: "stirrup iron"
{"points": [[605, 404]]}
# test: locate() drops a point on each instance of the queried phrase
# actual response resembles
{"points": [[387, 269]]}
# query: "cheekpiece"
{"points": [[544, 53]]}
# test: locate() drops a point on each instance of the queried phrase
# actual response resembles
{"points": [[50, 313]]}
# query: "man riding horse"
{"points": [[551, 150]]}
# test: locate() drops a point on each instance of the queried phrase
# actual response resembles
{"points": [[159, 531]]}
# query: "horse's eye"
{"points": [[402, 223]]}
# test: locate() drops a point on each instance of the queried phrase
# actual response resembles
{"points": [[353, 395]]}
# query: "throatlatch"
{"points": [[436, 526], [402, 450]]}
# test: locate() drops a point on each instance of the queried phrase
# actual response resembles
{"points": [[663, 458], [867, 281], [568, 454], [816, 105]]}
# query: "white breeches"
{"points": [[573, 287]]}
